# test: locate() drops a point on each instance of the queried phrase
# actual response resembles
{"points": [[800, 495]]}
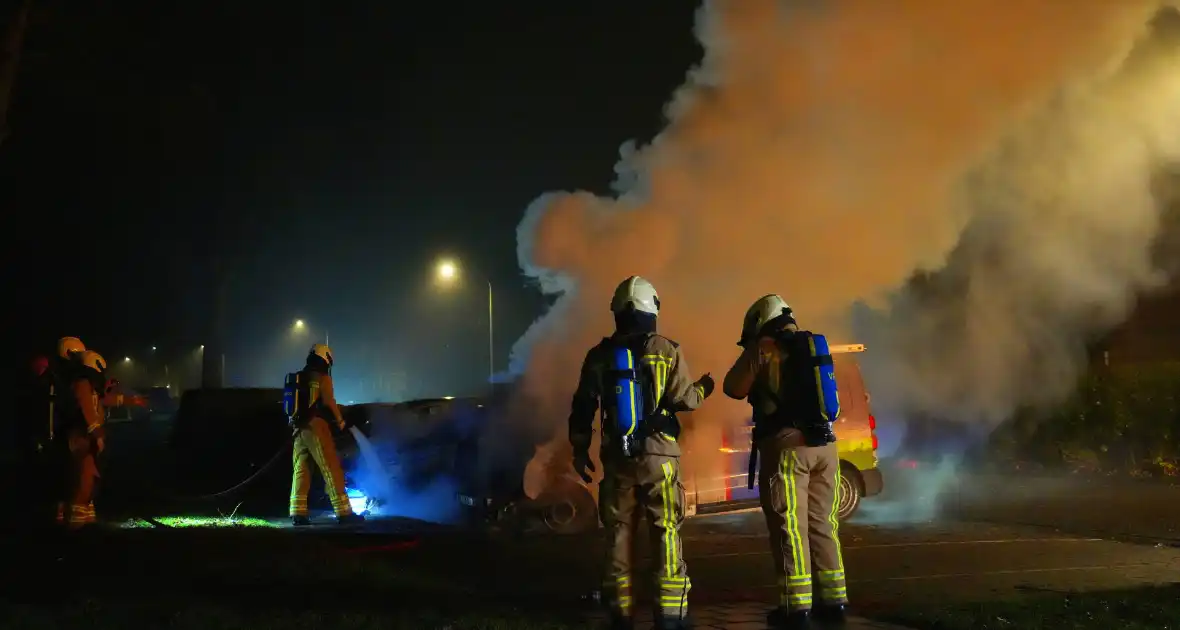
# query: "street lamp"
{"points": [[300, 326], [447, 272], [126, 359]]}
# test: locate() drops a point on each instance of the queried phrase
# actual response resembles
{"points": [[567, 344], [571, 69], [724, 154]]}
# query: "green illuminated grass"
{"points": [[184, 522], [1152, 608]]}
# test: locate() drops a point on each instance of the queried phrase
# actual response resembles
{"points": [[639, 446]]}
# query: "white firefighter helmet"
{"points": [[324, 352], [94, 361], [763, 310], [67, 346], [638, 293]]}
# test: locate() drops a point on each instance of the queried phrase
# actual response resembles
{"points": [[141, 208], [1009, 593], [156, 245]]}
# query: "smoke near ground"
{"points": [[829, 151]]}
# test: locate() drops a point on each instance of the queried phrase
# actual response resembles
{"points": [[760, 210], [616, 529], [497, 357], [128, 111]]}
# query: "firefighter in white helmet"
{"points": [[799, 477], [315, 413], [639, 380]]}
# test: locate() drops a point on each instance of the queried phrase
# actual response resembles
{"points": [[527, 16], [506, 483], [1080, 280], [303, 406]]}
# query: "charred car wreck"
{"points": [[468, 454]]}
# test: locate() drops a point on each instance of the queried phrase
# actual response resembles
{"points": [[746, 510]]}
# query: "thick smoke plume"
{"points": [[830, 151]]}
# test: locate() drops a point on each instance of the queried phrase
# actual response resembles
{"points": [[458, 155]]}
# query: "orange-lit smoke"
{"points": [[827, 151]]}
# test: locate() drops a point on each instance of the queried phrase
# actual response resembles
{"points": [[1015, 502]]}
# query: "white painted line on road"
{"points": [[944, 576], [940, 543], [726, 513], [716, 535], [932, 543]]}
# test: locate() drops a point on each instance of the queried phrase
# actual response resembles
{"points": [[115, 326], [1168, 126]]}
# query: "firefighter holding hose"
{"points": [[311, 405], [639, 380]]}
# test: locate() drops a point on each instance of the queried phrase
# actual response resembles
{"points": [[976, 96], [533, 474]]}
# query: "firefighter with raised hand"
{"points": [[788, 378], [312, 407], [82, 422], [639, 380]]}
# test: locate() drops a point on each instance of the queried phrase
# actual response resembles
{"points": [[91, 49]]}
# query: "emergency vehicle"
{"points": [[856, 431]]}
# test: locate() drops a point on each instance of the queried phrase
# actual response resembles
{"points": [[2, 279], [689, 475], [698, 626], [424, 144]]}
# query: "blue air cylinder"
{"points": [[628, 400]]}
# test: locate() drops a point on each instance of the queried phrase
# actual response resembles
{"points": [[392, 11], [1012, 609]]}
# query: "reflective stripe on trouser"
{"points": [[798, 488], [314, 444], [631, 487], [78, 508]]}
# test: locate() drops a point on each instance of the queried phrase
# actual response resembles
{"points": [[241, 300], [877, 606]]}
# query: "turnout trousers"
{"points": [[314, 445], [76, 507], [632, 488], [798, 487]]}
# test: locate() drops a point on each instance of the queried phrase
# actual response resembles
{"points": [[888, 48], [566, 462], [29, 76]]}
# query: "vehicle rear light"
{"points": [[873, 429]]}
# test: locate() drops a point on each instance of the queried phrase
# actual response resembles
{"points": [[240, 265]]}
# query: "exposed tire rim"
{"points": [[849, 495], [560, 515]]}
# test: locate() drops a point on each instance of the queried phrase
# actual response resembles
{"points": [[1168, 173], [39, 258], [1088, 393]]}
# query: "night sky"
{"points": [[326, 154]]}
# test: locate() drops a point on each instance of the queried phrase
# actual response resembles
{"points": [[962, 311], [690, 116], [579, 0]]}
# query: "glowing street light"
{"points": [[126, 359], [447, 272], [202, 348], [299, 326], [153, 348]]}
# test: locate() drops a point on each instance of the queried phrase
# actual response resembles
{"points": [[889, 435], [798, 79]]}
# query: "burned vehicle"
{"points": [[456, 460]]}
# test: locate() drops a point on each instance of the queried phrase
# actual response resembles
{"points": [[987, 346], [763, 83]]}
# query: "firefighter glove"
{"points": [[706, 383], [583, 466]]}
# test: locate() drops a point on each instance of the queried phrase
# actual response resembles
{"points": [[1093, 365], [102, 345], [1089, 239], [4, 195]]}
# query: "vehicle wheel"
{"points": [[569, 509], [850, 491]]}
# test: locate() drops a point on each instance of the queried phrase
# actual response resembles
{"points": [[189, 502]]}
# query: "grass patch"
{"points": [[212, 577], [200, 521], [1151, 608], [193, 614]]}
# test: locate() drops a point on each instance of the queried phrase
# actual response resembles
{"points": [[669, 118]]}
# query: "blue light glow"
{"points": [[358, 500]]}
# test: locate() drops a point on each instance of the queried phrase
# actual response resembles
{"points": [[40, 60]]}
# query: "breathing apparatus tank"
{"points": [[626, 404]]}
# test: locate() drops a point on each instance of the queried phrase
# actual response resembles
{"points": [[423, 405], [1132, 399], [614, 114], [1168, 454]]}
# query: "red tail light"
{"points": [[873, 429]]}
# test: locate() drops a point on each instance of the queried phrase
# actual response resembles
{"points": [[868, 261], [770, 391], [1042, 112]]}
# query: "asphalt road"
{"points": [[989, 538]]}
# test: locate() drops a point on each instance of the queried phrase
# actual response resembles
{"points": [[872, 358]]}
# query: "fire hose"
{"points": [[284, 449]]}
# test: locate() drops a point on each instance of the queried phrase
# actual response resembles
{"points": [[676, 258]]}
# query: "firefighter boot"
{"points": [[829, 615], [300, 521], [782, 619], [672, 623], [350, 519], [620, 622]]}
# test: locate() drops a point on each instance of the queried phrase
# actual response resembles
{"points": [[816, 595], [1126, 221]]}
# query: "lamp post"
{"points": [[447, 273]]}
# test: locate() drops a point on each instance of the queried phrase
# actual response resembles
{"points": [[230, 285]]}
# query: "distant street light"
{"points": [[126, 359], [447, 272], [202, 348], [301, 326], [153, 348]]}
